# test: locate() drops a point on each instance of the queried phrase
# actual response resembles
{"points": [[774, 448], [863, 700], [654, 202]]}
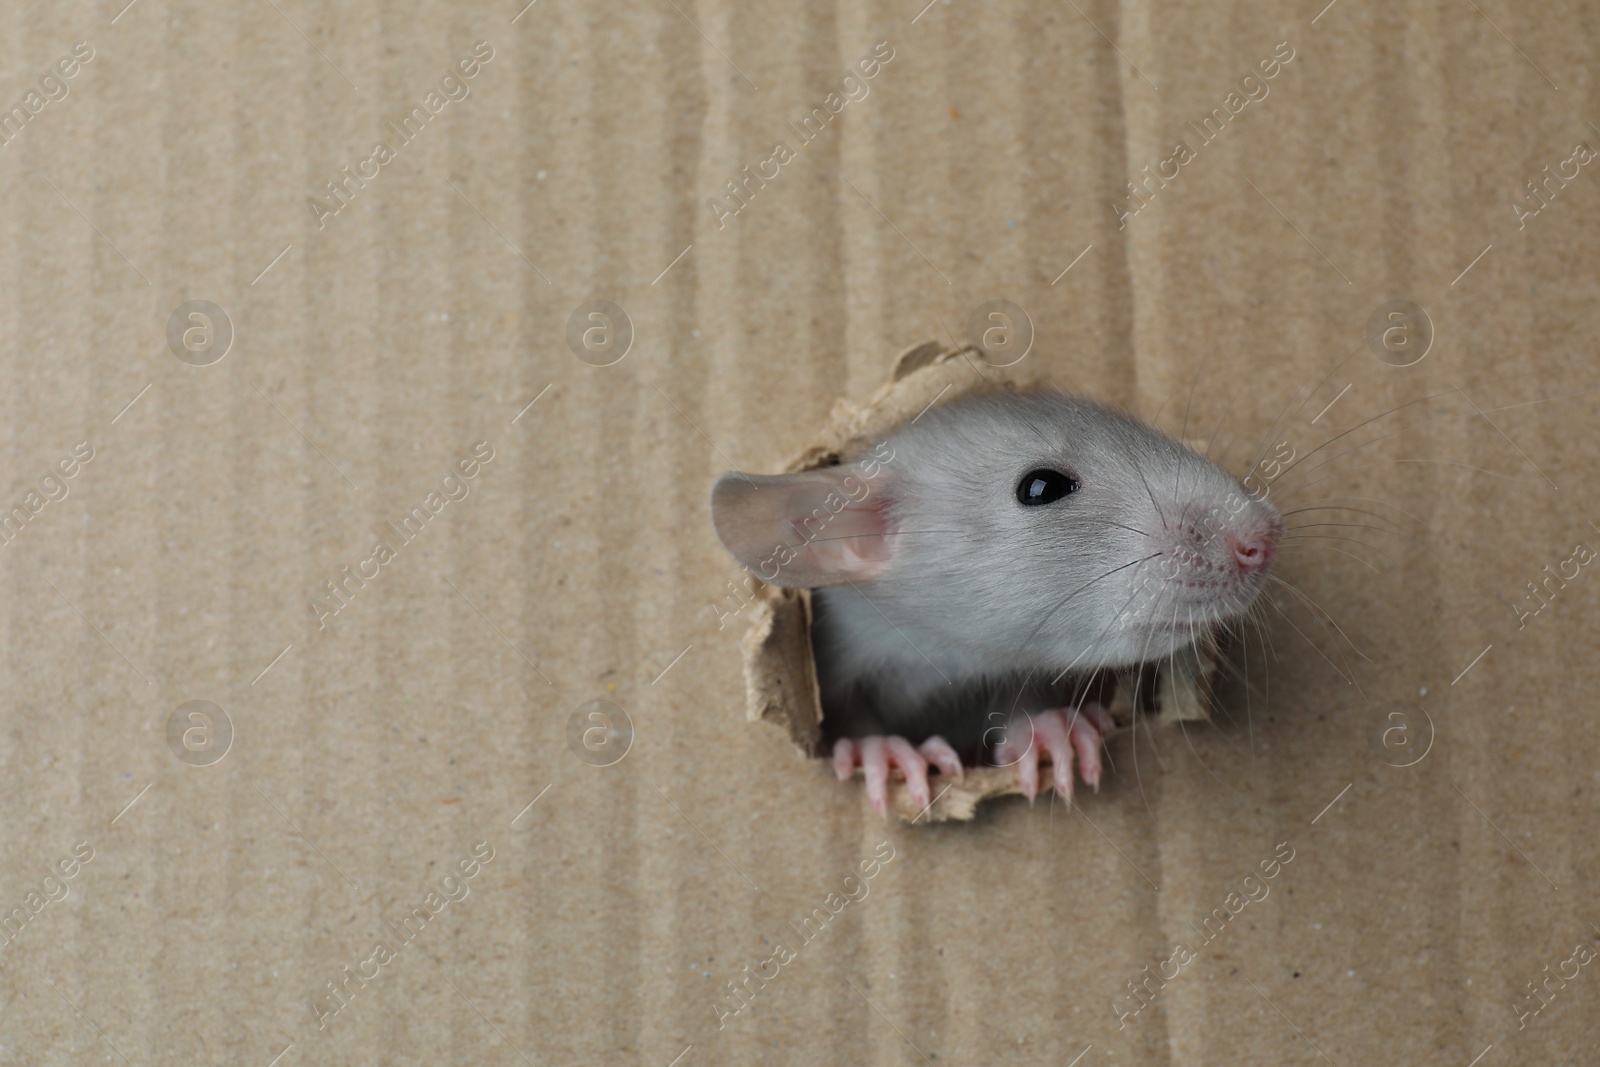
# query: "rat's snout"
{"points": [[1253, 549], [1252, 540]]}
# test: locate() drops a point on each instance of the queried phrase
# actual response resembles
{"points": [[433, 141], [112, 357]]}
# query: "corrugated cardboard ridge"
{"points": [[780, 673]]}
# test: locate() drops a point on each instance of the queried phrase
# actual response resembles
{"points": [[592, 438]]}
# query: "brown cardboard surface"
{"points": [[1412, 723]]}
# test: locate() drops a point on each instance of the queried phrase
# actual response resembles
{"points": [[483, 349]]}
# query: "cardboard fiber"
{"points": [[780, 672], [253, 769]]}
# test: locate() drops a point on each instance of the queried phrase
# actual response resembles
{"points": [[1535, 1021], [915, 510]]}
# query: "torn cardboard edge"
{"points": [[781, 675]]}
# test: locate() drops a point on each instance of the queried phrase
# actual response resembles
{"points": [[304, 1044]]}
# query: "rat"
{"points": [[974, 570]]}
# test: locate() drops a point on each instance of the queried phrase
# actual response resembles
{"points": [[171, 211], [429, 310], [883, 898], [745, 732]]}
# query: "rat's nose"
{"points": [[1254, 550]]}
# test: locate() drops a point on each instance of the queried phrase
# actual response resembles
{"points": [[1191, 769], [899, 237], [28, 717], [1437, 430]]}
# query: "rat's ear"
{"points": [[819, 527]]}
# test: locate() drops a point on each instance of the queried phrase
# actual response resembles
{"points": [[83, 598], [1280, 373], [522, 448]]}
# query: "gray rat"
{"points": [[983, 553]]}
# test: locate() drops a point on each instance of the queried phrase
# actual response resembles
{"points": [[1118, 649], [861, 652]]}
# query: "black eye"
{"points": [[1044, 486]]}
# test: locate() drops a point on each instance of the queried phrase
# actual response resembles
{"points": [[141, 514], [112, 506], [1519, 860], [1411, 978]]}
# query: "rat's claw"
{"points": [[1064, 734], [1087, 732], [1101, 718], [937, 751], [1021, 748], [876, 755], [913, 766], [1028, 737], [1052, 732], [844, 758], [875, 768], [1016, 748]]}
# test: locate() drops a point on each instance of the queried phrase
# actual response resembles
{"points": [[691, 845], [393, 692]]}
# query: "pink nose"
{"points": [[1254, 551]]}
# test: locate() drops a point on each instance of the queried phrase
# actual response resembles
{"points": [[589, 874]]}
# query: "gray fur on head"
{"points": [[970, 584]]}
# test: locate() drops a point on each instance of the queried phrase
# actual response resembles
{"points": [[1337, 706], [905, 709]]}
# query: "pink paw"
{"points": [[1063, 733], [875, 755]]}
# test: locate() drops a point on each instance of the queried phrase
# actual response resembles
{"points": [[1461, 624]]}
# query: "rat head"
{"points": [[1034, 529]]}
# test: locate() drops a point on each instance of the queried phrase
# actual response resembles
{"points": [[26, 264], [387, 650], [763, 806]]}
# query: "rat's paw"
{"points": [[875, 755], [1062, 732]]}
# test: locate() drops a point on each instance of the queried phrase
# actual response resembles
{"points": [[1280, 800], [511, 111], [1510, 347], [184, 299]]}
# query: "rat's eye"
{"points": [[1044, 486]]}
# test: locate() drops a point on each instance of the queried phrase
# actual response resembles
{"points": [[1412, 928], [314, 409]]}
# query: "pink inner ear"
{"points": [[855, 543], [806, 529]]}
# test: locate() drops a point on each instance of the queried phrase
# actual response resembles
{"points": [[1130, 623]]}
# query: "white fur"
{"points": [[982, 591]]}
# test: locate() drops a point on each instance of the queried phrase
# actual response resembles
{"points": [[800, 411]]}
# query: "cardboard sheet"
{"points": [[371, 689]]}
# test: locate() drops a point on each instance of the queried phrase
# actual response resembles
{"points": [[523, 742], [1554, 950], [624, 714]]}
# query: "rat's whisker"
{"points": [[1381, 462], [1310, 642], [1397, 507], [1468, 580], [1468, 466], [1223, 420], [1183, 728], [1249, 719], [1349, 526], [1346, 507], [1257, 618], [1336, 457], [1264, 628], [1272, 428], [1137, 685], [1342, 552], [1403, 429], [885, 533], [1260, 450], [1120, 526], [1287, 540], [1366, 422], [1148, 491], [1051, 613], [1317, 608]]}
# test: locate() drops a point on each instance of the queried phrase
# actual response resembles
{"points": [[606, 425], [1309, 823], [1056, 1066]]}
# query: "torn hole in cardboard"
{"points": [[780, 673]]}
